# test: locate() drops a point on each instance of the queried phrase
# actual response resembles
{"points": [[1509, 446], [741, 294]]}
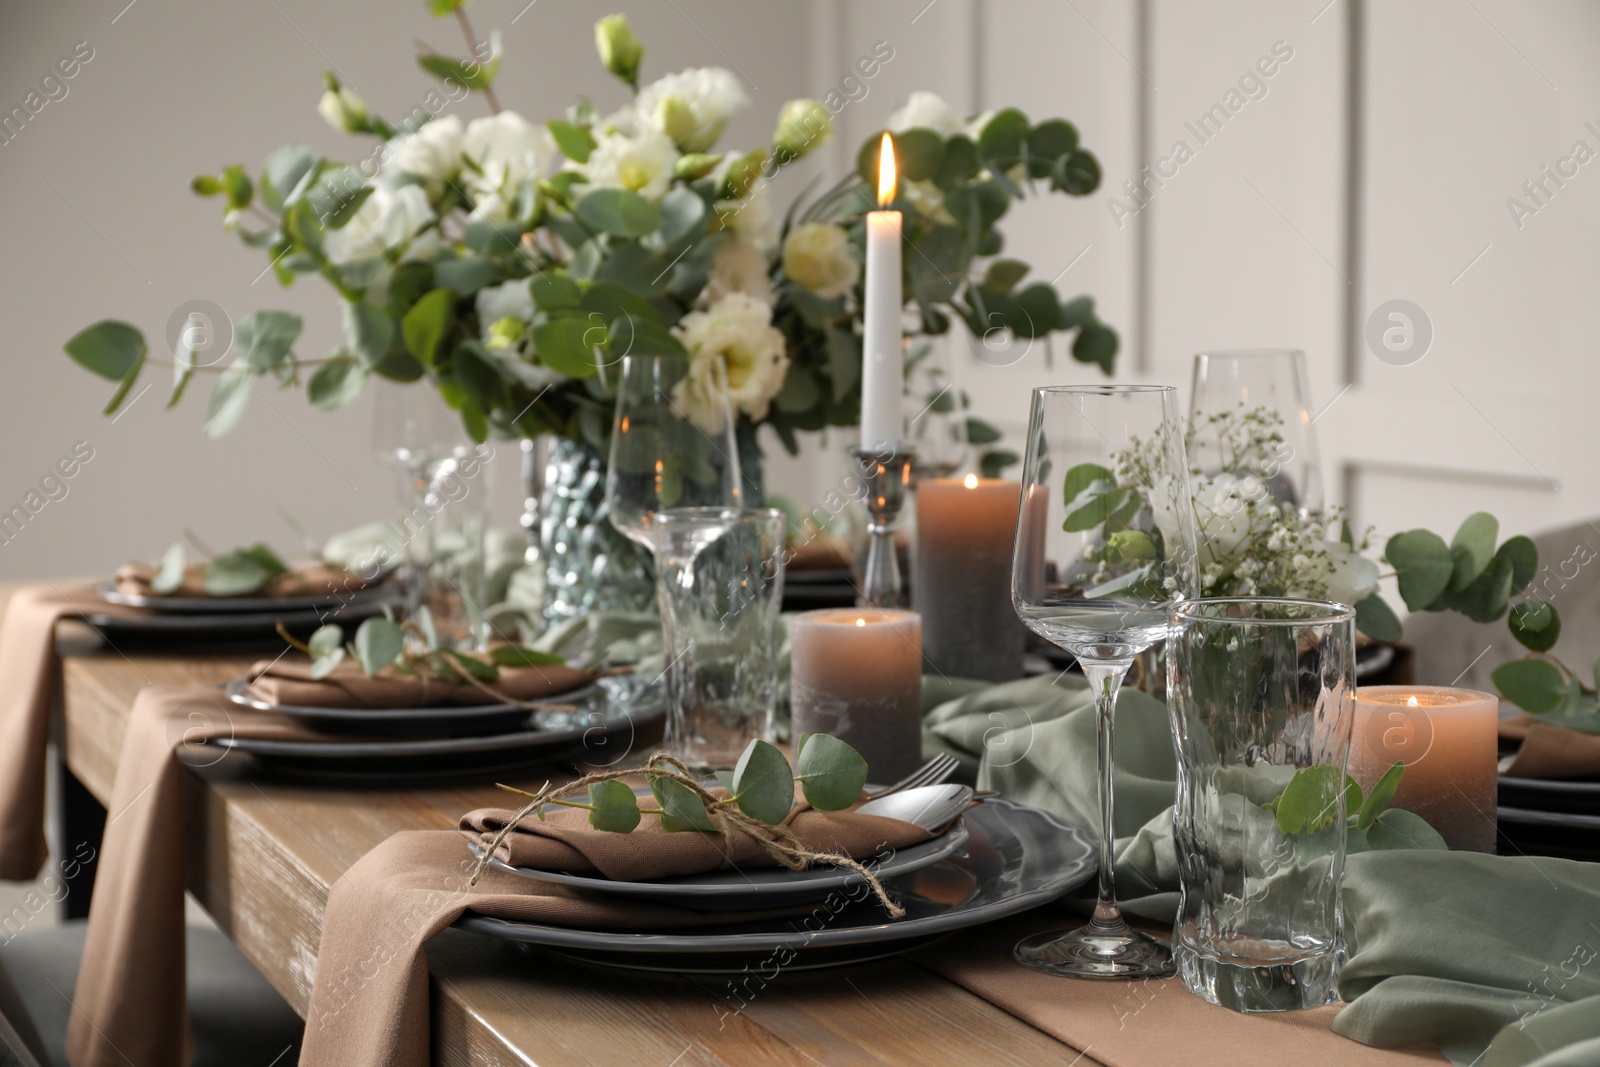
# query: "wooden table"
{"points": [[263, 856]]}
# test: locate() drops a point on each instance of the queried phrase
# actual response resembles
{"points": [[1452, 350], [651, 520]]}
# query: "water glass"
{"points": [[1233, 392], [721, 573], [1262, 698]]}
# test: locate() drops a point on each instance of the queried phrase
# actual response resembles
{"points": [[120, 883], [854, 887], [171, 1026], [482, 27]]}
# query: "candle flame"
{"points": [[861, 622], [886, 175], [970, 481], [1411, 703]]}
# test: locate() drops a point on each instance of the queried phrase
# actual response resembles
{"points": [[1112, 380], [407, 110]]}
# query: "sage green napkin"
{"points": [[1496, 959]]}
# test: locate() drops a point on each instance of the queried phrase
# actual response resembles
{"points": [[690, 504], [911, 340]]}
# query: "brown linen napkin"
{"points": [[1550, 751], [28, 672], [285, 681], [303, 579], [129, 1005], [1144, 1022], [369, 1003]]}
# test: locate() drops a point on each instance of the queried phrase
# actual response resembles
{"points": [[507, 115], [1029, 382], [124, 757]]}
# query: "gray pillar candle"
{"points": [[961, 577], [856, 673]]}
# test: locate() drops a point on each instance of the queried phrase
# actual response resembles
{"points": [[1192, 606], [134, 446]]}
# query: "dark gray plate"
{"points": [[1016, 858], [757, 888], [380, 593], [1548, 794], [447, 721]]}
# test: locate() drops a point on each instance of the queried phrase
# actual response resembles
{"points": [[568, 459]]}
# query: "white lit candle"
{"points": [[1448, 741], [883, 357]]}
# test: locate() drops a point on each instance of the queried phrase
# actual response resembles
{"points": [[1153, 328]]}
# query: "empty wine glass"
{"points": [[1105, 548], [673, 451], [1250, 414]]}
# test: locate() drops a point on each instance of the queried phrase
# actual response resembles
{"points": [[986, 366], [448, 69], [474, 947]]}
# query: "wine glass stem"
{"points": [[1105, 678]]}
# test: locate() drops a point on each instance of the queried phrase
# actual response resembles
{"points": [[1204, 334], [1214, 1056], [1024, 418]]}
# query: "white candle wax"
{"points": [[882, 353]]}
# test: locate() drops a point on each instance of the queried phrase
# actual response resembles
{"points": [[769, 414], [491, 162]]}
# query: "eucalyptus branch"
{"points": [[472, 47]]}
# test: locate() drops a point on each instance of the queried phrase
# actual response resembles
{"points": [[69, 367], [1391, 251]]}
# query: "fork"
{"points": [[933, 772]]}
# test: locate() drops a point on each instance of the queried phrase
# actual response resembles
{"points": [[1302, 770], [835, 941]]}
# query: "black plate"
{"points": [[1551, 795]]}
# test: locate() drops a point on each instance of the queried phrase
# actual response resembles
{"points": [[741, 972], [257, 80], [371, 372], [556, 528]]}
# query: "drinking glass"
{"points": [[445, 492], [1262, 698], [673, 448], [1240, 395], [720, 617], [1105, 547]]}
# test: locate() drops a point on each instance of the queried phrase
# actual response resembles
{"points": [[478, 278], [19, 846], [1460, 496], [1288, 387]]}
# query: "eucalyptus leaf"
{"points": [[681, 808], [263, 339], [1376, 619], [369, 330], [831, 773], [619, 211], [337, 382], [1397, 828], [108, 348], [229, 399], [235, 574], [616, 808], [1424, 565], [1311, 799], [378, 643], [567, 346], [324, 665], [1534, 685], [1096, 343], [1535, 624], [763, 783], [518, 656], [1382, 795], [426, 324], [1473, 547], [170, 576], [575, 142]]}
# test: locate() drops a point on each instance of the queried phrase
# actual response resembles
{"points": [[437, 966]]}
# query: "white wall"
{"points": [[1249, 245]]}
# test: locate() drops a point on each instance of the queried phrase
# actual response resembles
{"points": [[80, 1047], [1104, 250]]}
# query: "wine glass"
{"points": [[1250, 413], [1105, 548], [673, 452]]}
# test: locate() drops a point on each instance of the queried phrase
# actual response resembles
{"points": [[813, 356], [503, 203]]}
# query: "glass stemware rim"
{"points": [[1249, 353], [1105, 388], [1318, 611], [726, 514]]}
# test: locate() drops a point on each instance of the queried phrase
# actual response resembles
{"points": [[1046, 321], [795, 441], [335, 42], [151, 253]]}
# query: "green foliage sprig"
{"points": [[237, 573], [1309, 803]]}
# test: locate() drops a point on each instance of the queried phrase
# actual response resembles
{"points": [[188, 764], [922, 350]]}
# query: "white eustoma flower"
{"points": [[1225, 508], [738, 331], [642, 164], [432, 153], [927, 111], [739, 267], [816, 255], [389, 220], [1352, 577], [508, 300], [752, 219], [503, 151], [692, 106]]}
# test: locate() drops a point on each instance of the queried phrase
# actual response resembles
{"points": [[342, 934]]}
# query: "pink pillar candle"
{"points": [[1448, 741], [961, 577], [856, 673]]}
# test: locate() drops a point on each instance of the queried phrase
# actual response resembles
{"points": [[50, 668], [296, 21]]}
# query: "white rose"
{"points": [[739, 267], [927, 111], [508, 300], [692, 106], [1352, 577], [816, 255], [506, 151], [432, 153], [1223, 514], [737, 330], [642, 164], [388, 220]]}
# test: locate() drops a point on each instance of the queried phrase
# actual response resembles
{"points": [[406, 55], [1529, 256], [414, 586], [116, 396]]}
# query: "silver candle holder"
{"points": [[887, 474]]}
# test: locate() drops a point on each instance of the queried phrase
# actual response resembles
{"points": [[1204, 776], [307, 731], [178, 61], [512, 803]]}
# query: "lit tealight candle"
{"points": [[1448, 741], [961, 576], [882, 353], [856, 673]]}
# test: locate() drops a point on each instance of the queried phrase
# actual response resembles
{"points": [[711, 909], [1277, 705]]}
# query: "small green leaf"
{"points": [[1424, 565], [831, 773], [919, 152], [108, 348], [229, 399], [1096, 343], [575, 142], [1536, 625], [682, 809], [378, 643], [764, 783], [1100, 508], [1397, 828], [1310, 800], [234, 574], [1524, 557], [325, 639], [1376, 619], [1484, 600], [205, 185], [1534, 685], [237, 185], [1473, 547], [980, 432], [1382, 794], [567, 346], [263, 338], [441, 8], [1076, 173], [1001, 138], [369, 330], [517, 656], [471, 665], [325, 665], [1083, 476], [619, 211], [426, 324], [170, 576], [466, 276], [1004, 274], [683, 215], [616, 808], [336, 383], [553, 291], [724, 779]]}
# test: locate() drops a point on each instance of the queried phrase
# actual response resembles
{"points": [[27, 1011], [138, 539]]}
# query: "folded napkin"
{"points": [[817, 554], [1550, 751], [302, 579], [28, 672], [415, 884], [286, 681], [1444, 943]]}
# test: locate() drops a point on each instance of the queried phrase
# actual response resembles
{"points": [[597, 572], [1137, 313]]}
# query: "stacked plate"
{"points": [[1000, 858], [236, 618], [599, 724], [1550, 814]]}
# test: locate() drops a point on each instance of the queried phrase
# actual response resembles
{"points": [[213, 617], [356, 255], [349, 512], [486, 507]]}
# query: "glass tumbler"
{"points": [[1261, 693], [721, 575]]}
